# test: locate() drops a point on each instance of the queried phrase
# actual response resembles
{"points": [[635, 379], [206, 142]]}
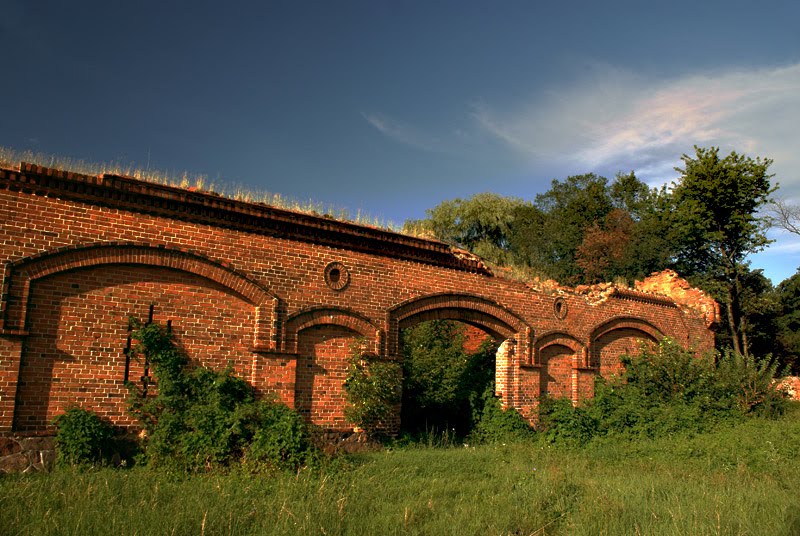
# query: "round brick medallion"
{"points": [[337, 276], [560, 308]]}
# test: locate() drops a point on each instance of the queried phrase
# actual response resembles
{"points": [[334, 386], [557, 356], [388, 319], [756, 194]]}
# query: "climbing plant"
{"points": [[199, 418], [373, 388]]}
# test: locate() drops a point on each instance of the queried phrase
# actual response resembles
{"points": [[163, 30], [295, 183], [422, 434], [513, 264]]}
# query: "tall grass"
{"points": [[202, 182], [739, 479]]}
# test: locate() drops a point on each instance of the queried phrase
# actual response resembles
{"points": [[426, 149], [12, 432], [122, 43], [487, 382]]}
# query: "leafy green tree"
{"points": [[585, 229], [481, 224], [788, 322], [604, 248], [571, 206], [717, 202]]}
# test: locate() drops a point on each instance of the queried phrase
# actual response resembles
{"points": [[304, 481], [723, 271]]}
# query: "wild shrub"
{"points": [[666, 391], [82, 437], [202, 418], [750, 383], [373, 389], [495, 424], [561, 422], [281, 437]]}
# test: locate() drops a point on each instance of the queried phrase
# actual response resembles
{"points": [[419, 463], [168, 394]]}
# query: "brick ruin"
{"points": [[280, 295]]}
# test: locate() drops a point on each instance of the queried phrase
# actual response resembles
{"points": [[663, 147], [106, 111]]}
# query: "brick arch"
{"points": [[478, 311], [19, 275], [617, 329], [468, 308], [560, 338], [559, 356], [318, 316], [624, 322]]}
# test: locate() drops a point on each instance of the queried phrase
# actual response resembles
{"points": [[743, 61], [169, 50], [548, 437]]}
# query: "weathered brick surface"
{"points": [[247, 284]]}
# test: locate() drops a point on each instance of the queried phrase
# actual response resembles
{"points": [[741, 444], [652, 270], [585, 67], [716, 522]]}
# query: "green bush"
{"points": [[496, 424], [561, 422], [373, 388], [281, 438], [203, 418], [443, 385], [667, 391], [82, 437]]}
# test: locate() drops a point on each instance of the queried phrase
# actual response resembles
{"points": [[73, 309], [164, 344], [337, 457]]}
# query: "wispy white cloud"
{"points": [[618, 119], [403, 132]]}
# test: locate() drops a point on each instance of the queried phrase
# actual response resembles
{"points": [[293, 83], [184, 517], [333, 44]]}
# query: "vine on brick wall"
{"points": [[373, 388], [200, 418]]}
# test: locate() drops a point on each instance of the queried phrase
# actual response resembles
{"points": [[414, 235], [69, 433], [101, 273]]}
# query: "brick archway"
{"points": [[468, 308], [556, 338], [478, 311], [623, 335], [19, 275], [318, 316], [562, 361], [321, 339]]}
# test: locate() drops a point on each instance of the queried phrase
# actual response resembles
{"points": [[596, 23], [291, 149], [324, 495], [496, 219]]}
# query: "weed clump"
{"points": [[82, 437]]}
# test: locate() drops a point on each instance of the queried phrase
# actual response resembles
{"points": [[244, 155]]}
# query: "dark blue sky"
{"points": [[392, 107]]}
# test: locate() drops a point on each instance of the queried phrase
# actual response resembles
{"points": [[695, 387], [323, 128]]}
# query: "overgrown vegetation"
{"points": [[200, 418], [741, 478], [373, 388], [666, 391], [448, 393], [82, 437]]}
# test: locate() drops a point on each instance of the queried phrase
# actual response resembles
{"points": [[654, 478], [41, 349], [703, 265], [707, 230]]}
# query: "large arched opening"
{"points": [[459, 352]]}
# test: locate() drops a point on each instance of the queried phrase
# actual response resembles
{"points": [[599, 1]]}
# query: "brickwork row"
{"points": [[280, 296]]}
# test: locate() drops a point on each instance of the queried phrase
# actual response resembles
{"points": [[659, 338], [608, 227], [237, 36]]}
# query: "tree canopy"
{"points": [[717, 223], [586, 229]]}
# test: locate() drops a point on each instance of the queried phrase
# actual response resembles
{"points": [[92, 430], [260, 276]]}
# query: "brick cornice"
{"points": [[131, 194], [644, 297]]}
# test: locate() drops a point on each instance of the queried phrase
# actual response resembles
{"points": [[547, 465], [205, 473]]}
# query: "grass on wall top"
{"points": [[197, 181]]}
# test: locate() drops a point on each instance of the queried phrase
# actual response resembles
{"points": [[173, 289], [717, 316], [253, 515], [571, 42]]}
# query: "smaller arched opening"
{"points": [[323, 339], [617, 337], [561, 358]]}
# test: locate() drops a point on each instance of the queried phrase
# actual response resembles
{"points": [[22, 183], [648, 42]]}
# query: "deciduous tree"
{"points": [[717, 203]]}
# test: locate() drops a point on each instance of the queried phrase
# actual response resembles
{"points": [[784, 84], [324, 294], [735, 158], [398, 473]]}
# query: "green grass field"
{"points": [[742, 479]]}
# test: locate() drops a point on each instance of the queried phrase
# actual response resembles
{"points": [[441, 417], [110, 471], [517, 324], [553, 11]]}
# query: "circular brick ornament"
{"points": [[337, 276], [560, 308]]}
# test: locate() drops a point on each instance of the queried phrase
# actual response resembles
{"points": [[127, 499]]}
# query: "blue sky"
{"points": [[392, 107]]}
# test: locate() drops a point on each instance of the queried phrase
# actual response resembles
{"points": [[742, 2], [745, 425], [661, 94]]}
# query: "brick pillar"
{"points": [[10, 357], [504, 373]]}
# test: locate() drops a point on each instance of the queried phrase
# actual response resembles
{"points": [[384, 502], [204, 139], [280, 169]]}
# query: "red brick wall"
{"points": [[246, 283], [78, 323], [557, 379], [321, 372], [612, 345]]}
